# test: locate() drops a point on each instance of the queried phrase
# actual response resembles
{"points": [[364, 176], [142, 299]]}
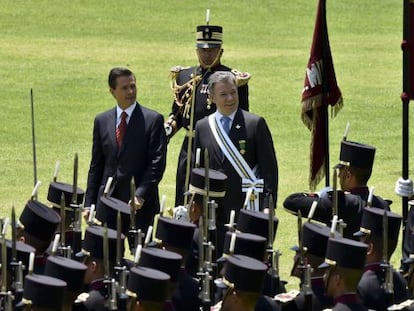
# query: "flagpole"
{"points": [[325, 90], [405, 98]]}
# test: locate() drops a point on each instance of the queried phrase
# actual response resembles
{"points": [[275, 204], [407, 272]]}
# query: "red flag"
{"points": [[320, 91]]}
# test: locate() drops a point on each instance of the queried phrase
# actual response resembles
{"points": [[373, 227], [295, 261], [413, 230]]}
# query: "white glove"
{"points": [[181, 213], [404, 187]]}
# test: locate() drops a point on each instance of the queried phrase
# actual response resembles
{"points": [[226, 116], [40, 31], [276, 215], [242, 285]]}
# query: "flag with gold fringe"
{"points": [[320, 91]]}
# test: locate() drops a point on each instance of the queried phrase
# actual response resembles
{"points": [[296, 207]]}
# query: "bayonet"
{"points": [[118, 239], [56, 172], [105, 248], [13, 240], [75, 182], [63, 220], [344, 138], [132, 230]]}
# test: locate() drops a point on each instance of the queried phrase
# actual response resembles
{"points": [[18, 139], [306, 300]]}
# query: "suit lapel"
{"points": [[112, 129]]}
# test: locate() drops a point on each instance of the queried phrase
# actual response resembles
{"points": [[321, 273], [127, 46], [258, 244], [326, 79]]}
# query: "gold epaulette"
{"points": [[174, 71], [241, 77]]}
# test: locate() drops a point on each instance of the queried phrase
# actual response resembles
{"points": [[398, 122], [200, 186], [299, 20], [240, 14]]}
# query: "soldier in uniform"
{"points": [[43, 293], [314, 239], [244, 278], [70, 271], [176, 236], [92, 254], [373, 282], [355, 168], [148, 289], [344, 260], [191, 102], [37, 226]]}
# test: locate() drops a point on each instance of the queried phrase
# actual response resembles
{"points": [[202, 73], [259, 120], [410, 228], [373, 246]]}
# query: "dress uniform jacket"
{"points": [[185, 297], [350, 208], [251, 136], [202, 109], [142, 155], [348, 302], [371, 291]]}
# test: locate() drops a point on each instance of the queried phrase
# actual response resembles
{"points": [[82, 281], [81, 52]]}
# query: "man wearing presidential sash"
{"points": [[239, 144]]}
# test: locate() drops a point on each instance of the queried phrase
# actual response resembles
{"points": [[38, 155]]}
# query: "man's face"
{"points": [[208, 57], [125, 91], [226, 98]]}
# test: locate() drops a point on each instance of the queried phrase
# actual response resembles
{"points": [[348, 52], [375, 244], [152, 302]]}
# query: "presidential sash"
{"points": [[250, 183]]}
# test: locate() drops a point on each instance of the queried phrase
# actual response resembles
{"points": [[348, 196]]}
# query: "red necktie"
{"points": [[120, 130]]}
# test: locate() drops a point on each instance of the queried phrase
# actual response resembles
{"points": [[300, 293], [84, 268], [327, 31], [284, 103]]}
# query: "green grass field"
{"points": [[64, 51]]}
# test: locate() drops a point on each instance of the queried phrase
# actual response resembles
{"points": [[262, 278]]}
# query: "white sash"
{"points": [[250, 184]]}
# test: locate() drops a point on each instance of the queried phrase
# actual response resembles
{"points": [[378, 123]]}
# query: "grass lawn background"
{"points": [[64, 51]]}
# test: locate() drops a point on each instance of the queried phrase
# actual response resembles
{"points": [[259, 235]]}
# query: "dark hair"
{"points": [[117, 72]]}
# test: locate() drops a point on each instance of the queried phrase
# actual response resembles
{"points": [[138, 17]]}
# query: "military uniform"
{"points": [[184, 80], [371, 286], [350, 255]]}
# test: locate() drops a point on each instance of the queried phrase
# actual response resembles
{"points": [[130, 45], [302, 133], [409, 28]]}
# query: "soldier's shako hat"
{"points": [[23, 251], [43, 291], [107, 211], [92, 244], [315, 238], [209, 36], [217, 182], [148, 284], [161, 259], [175, 233], [247, 244], [39, 220], [345, 253], [372, 223], [66, 269], [356, 155], [256, 222], [56, 189], [244, 273]]}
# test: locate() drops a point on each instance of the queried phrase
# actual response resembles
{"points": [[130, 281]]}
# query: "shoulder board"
{"points": [[241, 77], [177, 69]]}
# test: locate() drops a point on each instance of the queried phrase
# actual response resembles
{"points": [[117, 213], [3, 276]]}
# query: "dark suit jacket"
{"points": [[142, 156], [248, 132]]}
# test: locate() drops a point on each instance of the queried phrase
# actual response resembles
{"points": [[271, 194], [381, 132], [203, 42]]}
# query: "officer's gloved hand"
{"points": [[181, 213], [404, 187], [324, 192]]}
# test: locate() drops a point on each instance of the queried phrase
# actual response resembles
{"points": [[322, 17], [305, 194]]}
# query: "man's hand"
{"points": [[138, 202]]}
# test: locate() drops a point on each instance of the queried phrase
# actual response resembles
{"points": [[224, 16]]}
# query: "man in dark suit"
{"points": [[190, 106], [128, 142], [252, 144]]}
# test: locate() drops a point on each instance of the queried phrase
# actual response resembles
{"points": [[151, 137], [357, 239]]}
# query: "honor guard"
{"points": [[43, 292], [310, 251], [354, 170], [73, 199], [344, 263], [99, 268], [107, 210], [380, 285], [244, 277], [37, 226], [148, 289], [191, 103], [167, 262], [70, 271], [177, 236]]}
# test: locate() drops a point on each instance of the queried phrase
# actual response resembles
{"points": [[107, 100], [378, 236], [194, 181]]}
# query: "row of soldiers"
{"points": [[178, 268]]}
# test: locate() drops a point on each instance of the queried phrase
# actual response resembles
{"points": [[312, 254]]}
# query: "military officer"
{"points": [[191, 102]]}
